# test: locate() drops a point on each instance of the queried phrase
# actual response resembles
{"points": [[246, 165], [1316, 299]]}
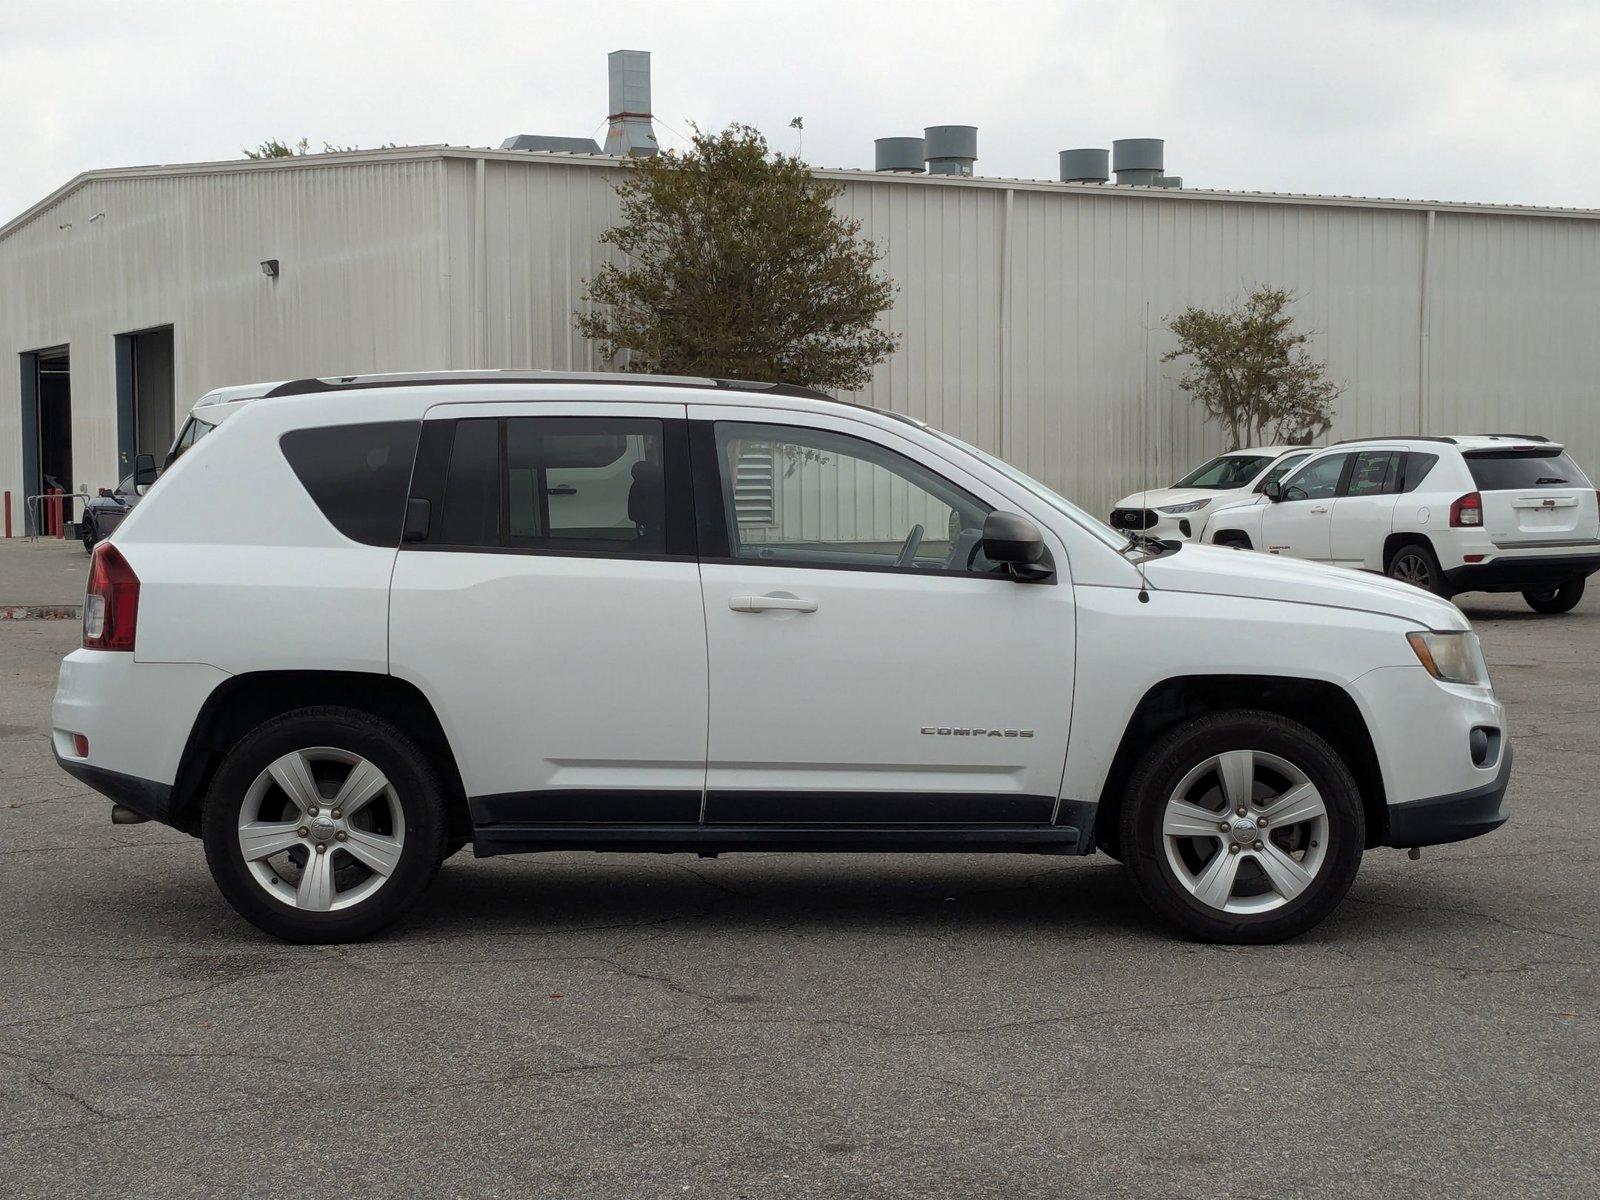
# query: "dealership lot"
{"points": [[763, 1025]]}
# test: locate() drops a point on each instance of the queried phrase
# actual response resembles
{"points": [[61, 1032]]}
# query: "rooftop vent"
{"points": [[554, 145], [1090, 165], [902, 154], [630, 132], [1138, 161], [951, 149], [1169, 181]]}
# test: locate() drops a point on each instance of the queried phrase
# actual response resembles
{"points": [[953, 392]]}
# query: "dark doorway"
{"points": [[46, 421], [144, 395]]}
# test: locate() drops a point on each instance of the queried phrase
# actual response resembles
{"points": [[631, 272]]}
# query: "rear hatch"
{"points": [[1534, 496]]}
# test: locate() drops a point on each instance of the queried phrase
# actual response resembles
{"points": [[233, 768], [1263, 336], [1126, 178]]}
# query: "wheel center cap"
{"points": [[323, 829], [1244, 831]]}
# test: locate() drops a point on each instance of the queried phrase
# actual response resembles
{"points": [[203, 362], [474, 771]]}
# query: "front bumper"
{"points": [[1516, 573], [1454, 818]]}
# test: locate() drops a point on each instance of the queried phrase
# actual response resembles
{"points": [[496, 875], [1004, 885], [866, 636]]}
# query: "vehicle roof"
{"points": [[1275, 450], [1461, 441]]}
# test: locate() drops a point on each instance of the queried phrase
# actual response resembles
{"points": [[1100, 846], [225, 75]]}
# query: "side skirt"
{"points": [[489, 840]]}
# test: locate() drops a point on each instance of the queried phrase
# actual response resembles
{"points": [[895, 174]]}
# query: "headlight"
{"points": [[1186, 508], [1454, 657]]}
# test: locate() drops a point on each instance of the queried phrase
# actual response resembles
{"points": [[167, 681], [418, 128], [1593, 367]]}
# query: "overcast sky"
{"points": [[1459, 101]]}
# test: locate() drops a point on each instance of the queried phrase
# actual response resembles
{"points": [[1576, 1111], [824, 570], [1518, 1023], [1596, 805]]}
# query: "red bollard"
{"points": [[55, 513]]}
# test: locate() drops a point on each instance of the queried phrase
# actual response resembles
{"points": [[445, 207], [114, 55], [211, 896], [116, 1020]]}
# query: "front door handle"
{"points": [[776, 602], [1321, 508]]}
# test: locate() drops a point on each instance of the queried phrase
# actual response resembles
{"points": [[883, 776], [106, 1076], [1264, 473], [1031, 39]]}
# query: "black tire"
{"points": [[1555, 600], [86, 532], [1416, 563], [415, 785], [1181, 751]]}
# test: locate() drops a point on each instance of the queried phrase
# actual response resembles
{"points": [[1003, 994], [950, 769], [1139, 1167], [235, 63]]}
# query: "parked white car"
{"points": [[545, 612], [1501, 513], [1180, 510]]}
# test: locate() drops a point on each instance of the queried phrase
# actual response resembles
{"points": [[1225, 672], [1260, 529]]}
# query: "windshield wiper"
{"points": [[1548, 481]]}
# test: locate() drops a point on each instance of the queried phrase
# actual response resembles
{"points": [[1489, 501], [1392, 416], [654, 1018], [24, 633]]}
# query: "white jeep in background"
{"points": [[1493, 513], [541, 612], [1180, 510]]}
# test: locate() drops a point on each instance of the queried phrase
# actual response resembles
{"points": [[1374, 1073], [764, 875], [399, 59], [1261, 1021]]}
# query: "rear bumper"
{"points": [[1514, 573], [1454, 818], [144, 796]]}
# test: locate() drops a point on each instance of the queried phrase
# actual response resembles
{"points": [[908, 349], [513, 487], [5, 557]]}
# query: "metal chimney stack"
{"points": [[903, 155], [951, 149], [1139, 161], [1088, 165], [630, 132]]}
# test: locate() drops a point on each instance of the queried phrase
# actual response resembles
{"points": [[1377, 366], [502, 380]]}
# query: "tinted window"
{"points": [[471, 515], [357, 474], [1317, 480], [844, 501], [579, 483], [1506, 470], [1375, 472], [1226, 471], [1416, 469], [1281, 468]]}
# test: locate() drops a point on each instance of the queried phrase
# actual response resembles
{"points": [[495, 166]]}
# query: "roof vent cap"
{"points": [[1086, 165], [901, 154], [951, 149]]}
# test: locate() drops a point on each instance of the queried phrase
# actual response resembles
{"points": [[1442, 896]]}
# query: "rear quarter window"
{"points": [[1416, 469], [357, 475], [1508, 470]]}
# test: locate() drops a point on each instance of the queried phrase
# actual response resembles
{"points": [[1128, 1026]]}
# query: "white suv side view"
{"points": [[1180, 510], [544, 612], [1496, 513]]}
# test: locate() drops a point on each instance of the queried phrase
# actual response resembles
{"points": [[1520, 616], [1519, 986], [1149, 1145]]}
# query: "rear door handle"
{"points": [[773, 603], [1320, 509]]}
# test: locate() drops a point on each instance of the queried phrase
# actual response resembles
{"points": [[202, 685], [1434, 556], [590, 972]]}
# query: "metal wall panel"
{"points": [[360, 285], [1023, 308]]}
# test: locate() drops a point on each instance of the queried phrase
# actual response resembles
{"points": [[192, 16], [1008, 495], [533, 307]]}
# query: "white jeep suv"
{"points": [[1178, 511], [599, 612], [1498, 513]]}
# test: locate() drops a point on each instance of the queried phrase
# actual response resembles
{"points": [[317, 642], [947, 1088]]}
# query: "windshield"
{"points": [[1117, 541], [1226, 471]]}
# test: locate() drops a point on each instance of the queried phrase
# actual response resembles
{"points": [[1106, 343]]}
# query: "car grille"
{"points": [[1132, 518]]}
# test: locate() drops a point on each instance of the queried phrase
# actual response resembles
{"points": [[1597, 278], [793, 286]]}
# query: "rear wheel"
{"points": [[1415, 563], [1243, 827], [324, 825], [1557, 599]]}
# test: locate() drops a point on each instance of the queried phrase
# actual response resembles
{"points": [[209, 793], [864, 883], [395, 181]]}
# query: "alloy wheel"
{"points": [[1245, 832], [1411, 567], [321, 829]]}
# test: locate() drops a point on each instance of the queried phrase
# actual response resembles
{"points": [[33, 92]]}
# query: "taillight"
{"points": [[1467, 511], [111, 605]]}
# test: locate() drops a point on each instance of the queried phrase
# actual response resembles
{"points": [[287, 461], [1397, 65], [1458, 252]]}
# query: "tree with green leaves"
{"points": [[736, 265], [278, 148], [1250, 371]]}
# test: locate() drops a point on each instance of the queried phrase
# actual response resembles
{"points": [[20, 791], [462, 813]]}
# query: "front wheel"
{"points": [[1243, 827], [1557, 599], [324, 825]]}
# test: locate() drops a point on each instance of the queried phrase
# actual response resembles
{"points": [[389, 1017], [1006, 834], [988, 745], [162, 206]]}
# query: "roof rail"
{"points": [[1397, 437], [345, 383]]}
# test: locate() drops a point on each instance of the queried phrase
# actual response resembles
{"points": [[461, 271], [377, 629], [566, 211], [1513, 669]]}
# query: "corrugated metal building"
{"points": [[1031, 312]]}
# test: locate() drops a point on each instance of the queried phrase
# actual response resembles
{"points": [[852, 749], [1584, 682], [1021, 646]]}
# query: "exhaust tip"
{"points": [[121, 814]]}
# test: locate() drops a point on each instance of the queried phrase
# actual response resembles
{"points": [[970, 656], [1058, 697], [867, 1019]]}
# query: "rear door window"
{"points": [[1375, 473], [357, 475], [1510, 470]]}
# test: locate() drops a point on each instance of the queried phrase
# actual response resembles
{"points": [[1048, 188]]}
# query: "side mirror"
{"points": [[1273, 491], [144, 472], [1015, 543]]}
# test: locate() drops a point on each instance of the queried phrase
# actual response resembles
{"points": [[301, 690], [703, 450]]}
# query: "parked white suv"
{"points": [[601, 612], [1178, 511], [1500, 513]]}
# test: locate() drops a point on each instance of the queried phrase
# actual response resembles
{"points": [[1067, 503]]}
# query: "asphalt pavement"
{"points": [[581, 1025]]}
